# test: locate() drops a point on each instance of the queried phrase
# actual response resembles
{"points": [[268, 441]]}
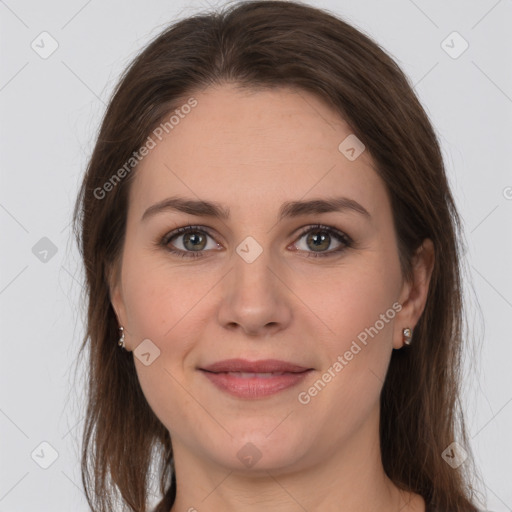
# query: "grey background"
{"points": [[50, 110]]}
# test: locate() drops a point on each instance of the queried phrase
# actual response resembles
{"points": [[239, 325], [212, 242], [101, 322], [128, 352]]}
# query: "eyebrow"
{"points": [[289, 209]]}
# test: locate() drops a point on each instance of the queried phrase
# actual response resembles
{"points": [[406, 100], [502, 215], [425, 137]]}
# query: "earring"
{"points": [[407, 332], [121, 339]]}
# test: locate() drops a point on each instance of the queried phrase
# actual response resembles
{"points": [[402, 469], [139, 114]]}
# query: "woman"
{"points": [[268, 234]]}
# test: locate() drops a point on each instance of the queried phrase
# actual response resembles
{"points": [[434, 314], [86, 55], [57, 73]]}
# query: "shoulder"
{"points": [[430, 508]]}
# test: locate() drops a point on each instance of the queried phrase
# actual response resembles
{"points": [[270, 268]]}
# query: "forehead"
{"points": [[241, 147]]}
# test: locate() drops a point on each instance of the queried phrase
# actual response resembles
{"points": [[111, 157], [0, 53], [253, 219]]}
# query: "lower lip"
{"points": [[254, 387]]}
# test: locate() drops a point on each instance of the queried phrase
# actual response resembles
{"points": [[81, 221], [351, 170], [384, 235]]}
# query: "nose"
{"points": [[255, 298]]}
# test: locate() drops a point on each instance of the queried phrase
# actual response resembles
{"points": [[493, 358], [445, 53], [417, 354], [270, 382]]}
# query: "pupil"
{"points": [[317, 242], [196, 240]]}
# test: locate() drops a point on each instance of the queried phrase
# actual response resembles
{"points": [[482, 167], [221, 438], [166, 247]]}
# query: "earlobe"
{"points": [[116, 301], [414, 293], [118, 306], [115, 295]]}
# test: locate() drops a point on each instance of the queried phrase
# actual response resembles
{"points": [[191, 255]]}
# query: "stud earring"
{"points": [[407, 332], [121, 339]]}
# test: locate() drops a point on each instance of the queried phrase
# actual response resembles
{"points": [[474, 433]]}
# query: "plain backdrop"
{"points": [[51, 109]]}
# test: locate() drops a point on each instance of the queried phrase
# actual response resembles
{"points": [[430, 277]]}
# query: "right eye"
{"points": [[194, 241]]}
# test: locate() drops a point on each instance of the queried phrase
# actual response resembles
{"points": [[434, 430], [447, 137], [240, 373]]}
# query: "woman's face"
{"points": [[249, 285]]}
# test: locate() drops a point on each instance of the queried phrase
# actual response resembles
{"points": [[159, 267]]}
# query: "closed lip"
{"points": [[262, 366]]}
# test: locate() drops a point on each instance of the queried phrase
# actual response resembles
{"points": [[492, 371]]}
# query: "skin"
{"points": [[251, 152]]}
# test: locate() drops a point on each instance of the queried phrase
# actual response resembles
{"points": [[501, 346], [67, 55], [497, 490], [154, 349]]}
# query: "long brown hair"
{"points": [[273, 44]]}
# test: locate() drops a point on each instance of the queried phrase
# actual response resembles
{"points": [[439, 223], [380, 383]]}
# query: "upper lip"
{"points": [[262, 366]]}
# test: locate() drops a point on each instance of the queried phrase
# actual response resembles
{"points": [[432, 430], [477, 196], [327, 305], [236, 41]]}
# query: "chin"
{"points": [[261, 452]]}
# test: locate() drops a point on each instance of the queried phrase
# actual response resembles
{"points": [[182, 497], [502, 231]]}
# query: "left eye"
{"points": [[321, 238], [194, 241]]}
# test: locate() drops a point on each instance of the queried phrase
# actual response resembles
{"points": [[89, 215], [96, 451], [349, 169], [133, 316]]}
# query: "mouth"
{"points": [[252, 380], [248, 375], [263, 367]]}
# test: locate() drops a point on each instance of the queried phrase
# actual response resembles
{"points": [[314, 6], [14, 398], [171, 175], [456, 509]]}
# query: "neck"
{"points": [[350, 479]]}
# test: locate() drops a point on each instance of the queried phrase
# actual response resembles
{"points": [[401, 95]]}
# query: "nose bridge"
{"points": [[253, 296], [252, 274]]}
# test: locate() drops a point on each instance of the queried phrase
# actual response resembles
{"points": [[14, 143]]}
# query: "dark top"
{"points": [[167, 502]]}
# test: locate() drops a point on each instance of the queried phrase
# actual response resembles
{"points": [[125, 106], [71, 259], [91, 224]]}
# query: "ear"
{"points": [[413, 295], [116, 297]]}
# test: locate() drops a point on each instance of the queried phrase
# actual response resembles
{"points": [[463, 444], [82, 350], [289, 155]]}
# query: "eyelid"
{"points": [[181, 231], [341, 236], [324, 227]]}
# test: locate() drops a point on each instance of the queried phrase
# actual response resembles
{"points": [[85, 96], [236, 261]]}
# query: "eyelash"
{"points": [[338, 235]]}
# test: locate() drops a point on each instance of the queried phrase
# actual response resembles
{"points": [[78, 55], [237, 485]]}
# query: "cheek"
{"points": [[159, 295], [166, 304], [357, 307], [351, 298], [160, 307]]}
